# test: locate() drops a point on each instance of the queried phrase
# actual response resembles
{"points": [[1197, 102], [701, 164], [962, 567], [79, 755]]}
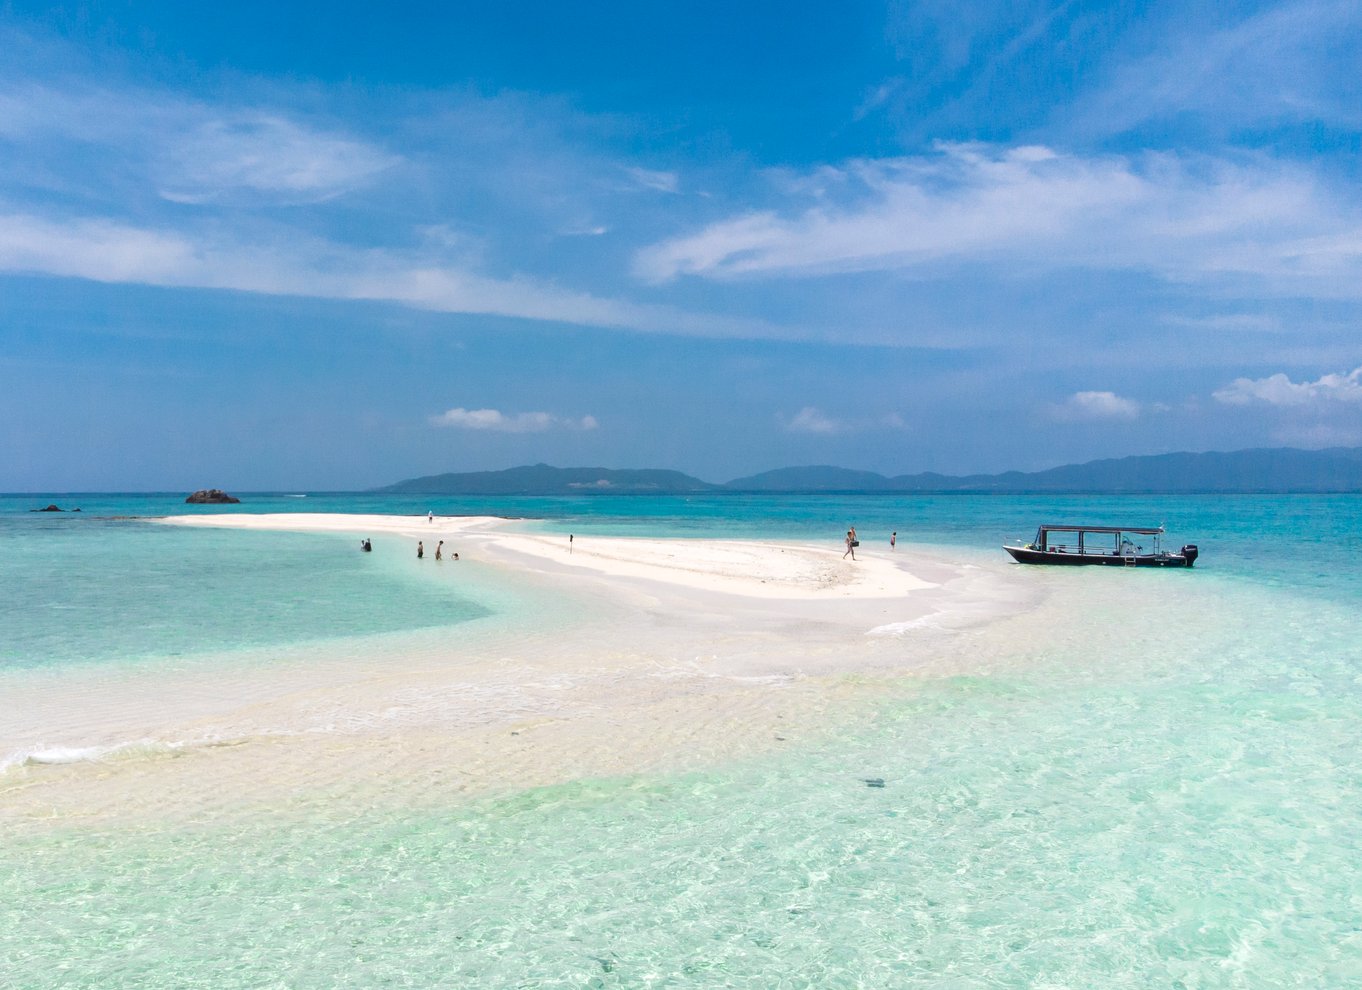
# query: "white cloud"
{"points": [[100, 250], [495, 421], [1279, 390], [1098, 405], [1181, 218], [812, 420]]}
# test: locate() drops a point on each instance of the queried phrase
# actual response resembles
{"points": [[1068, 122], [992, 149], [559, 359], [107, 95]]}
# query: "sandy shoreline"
{"points": [[662, 654], [754, 569]]}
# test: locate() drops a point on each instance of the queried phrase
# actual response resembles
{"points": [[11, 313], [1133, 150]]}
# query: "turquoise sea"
{"points": [[1151, 779]]}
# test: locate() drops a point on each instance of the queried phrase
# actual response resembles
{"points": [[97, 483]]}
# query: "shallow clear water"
{"points": [[93, 590], [1151, 780]]}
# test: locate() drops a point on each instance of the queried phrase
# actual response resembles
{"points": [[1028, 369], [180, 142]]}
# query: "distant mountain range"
{"points": [[1285, 469]]}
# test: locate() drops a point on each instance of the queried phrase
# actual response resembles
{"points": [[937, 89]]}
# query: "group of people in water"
{"points": [[368, 547], [439, 551]]}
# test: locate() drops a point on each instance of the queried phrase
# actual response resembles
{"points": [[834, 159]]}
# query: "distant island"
{"points": [[1258, 471], [211, 496]]}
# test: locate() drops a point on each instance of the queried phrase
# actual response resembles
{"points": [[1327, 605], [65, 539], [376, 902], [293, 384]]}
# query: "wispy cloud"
{"points": [[1318, 435], [148, 186], [266, 154], [646, 178], [285, 262], [1279, 390], [1181, 218], [1287, 62], [813, 420], [1227, 322], [495, 421], [189, 151]]}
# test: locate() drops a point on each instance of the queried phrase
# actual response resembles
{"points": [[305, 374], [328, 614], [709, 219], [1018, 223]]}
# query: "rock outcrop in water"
{"points": [[211, 496]]}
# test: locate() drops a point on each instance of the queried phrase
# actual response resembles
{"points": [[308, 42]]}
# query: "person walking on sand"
{"points": [[430, 516], [420, 550], [893, 538], [438, 547], [569, 543], [851, 544]]}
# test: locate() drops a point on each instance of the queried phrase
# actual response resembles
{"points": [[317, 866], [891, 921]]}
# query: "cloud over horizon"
{"points": [[1098, 405], [493, 420], [813, 420], [1279, 390]]}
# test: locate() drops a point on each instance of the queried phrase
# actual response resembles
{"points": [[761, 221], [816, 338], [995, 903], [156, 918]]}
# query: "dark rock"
{"points": [[50, 508], [211, 496]]}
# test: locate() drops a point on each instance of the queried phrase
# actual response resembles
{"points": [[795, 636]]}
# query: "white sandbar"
{"points": [[622, 656]]}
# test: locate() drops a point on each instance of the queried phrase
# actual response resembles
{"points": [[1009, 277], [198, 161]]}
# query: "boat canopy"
{"points": [[1140, 530], [1103, 540]]}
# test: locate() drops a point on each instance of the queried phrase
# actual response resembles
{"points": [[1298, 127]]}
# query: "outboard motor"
{"points": [[1189, 551]]}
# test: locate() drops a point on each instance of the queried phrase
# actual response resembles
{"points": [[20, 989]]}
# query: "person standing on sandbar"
{"points": [[851, 544], [420, 550]]}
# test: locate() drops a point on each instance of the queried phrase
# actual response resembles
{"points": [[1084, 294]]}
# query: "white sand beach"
{"points": [[613, 656]]}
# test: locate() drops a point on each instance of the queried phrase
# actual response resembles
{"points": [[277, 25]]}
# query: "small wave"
{"points": [[295, 496], [62, 755], [899, 628]]}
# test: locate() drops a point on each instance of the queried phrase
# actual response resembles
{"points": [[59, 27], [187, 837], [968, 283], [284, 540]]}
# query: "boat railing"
{"points": [[1086, 550]]}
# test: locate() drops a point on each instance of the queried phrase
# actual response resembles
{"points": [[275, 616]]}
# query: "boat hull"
{"points": [[1028, 555]]}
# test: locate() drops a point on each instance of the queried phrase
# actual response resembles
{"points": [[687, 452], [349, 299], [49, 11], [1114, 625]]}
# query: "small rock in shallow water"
{"points": [[873, 781]]}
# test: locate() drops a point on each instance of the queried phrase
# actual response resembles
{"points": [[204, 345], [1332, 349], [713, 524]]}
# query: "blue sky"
{"points": [[257, 246]]}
